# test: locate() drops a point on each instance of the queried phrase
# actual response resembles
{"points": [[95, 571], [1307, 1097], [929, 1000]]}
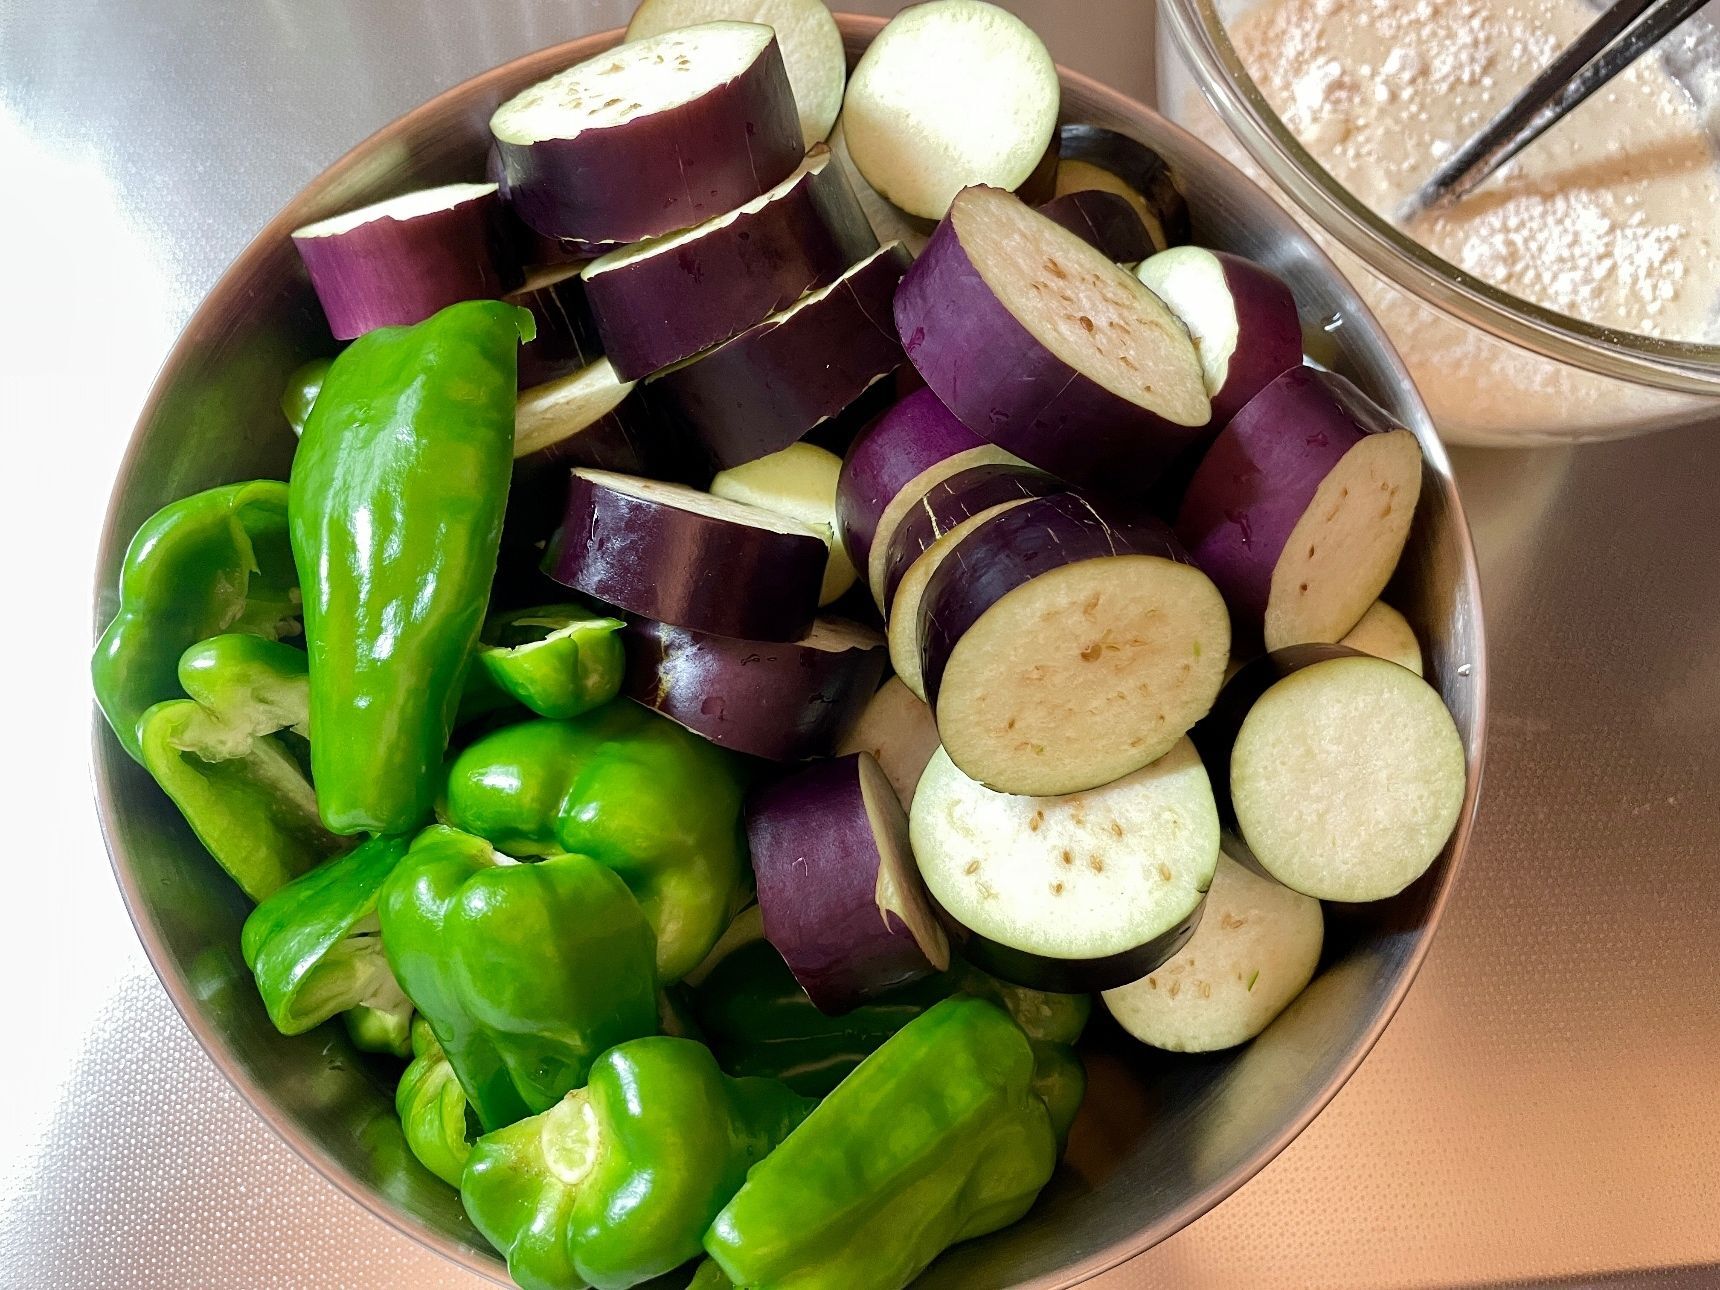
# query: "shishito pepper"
{"points": [[435, 1116], [937, 1137], [221, 757], [759, 1021], [658, 805], [214, 562], [525, 972], [313, 945], [396, 503], [617, 1182]]}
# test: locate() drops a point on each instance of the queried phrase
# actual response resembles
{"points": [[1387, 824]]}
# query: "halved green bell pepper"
{"points": [[526, 972], [396, 500], [655, 803], [381, 1029], [314, 945], [220, 757], [618, 1181], [435, 1115], [937, 1137], [217, 561], [556, 660]]}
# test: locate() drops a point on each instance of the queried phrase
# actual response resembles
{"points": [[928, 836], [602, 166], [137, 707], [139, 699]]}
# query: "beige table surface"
{"points": [[1546, 1105]]}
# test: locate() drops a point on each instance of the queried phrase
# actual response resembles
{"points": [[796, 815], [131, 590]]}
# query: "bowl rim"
{"points": [[1203, 40], [106, 754]]}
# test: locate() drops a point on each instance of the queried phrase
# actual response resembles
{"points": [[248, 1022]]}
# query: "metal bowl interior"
{"points": [[1161, 1138]]}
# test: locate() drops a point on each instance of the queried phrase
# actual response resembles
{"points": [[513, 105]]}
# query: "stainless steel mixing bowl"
{"points": [[1161, 1139]]}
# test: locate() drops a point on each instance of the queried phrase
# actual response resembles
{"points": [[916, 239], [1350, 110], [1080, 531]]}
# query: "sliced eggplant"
{"points": [[781, 701], [947, 95], [1301, 508], [1087, 891], [651, 136], [1062, 648], [799, 482], [1105, 221], [897, 729], [841, 898], [952, 501], [1041, 344], [1094, 157], [893, 463], [1385, 633], [667, 298], [1241, 317], [766, 388], [806, 29], [1344, 773], [679, 556], [1257, 946], [566, 338], [396, 262]]}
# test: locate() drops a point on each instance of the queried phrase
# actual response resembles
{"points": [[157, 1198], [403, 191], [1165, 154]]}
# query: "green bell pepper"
{"points": [[709, 1275], [936, 1138], [396, 502], [526, 972], [633, 790], [300, 396], [618, 1181], [313, 945], [386, 1030], [556, 660], [759, 1021], [435, 1116], [221, 757], [217, 561]]}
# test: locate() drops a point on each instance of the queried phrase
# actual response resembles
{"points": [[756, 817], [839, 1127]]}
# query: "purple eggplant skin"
{"points": [[1004, 384], [837, 434], [1068, 976], [1105, 221], [689, 570], [396, 272], [766, 388], [907, 440], [1268, 338], [1015, 547], [1215, 734], [663, 171], [950, 501], [1136, 165], [816, 860], [566, 337], [1259, 476], [537, 496], [664, 308], [782, 701]]}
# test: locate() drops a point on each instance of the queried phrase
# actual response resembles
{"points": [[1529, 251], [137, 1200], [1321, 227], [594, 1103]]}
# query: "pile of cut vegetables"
{"points": [[992, 533]]}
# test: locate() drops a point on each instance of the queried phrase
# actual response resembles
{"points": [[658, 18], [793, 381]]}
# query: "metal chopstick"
{"points": [[1583, 67]]}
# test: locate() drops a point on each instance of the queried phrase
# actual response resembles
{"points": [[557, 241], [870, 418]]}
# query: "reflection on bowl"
{"points": [[1612, 218], [1155, 1147]]}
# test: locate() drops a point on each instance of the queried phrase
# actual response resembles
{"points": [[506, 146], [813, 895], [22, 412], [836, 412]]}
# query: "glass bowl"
{"points": [[1493, 368], [1161, 1138]]}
